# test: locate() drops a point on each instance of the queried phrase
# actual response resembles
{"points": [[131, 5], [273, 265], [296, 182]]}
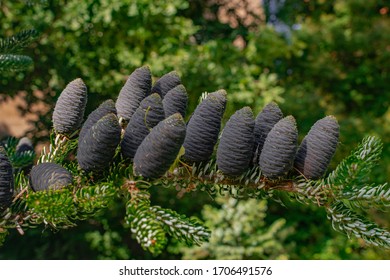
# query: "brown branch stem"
{"points": [[287, 185]]}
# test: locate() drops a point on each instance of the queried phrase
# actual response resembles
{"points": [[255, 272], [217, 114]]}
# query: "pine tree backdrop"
{"points": [[346, 199]]}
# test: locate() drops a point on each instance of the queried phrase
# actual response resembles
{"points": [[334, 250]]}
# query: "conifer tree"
{"points": [[345, 193]]}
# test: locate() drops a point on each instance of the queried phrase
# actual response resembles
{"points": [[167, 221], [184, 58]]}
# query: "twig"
{"points": [[282, 185]]}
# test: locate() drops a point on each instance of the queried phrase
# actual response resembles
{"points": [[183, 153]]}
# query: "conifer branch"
{"points": [[182, 228], [18, 42], [369, 196], [143, 223], [345, 220], [10, 46], [353, 170], [14, 62]]}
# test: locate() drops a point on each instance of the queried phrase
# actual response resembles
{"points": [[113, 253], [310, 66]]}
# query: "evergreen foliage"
{"points": [[10, 60], [239, 231]]}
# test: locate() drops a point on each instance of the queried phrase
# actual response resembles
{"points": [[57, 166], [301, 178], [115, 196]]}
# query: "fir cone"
{"points": [[160, 147], [166, 83], [148, 115], [203, 127], [69, 110], [235, 147], [97, 147], [105, 108], [136, 88], [264, 122], [6, 180], [279, 150], [317, 148], [175, 101], [49, 176]]}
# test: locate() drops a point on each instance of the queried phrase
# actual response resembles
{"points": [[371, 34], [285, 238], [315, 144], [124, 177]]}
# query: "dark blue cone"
{"points": [[69, 110], [279, 150], [6, 181], [160, 147], [203, 128], [136, 88], [175, 101], [235, 149], [264, 122], [148, 115], [317, 148], [97, 148], [49, 176], [166, 83]]}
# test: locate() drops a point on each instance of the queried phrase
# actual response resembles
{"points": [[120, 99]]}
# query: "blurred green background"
{"points": [[313, 57]]}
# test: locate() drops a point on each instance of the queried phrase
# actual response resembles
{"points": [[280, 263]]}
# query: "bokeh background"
{"points": [[313, 57]]}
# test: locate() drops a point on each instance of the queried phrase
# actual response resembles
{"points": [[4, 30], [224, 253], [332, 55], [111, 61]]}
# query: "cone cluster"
{"points": [[155, 121], [156, 132]]}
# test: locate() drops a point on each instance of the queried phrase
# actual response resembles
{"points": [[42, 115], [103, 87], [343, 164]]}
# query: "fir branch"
{"points": [[206, 177], [91, 199], [17, 42], [143, 223], [18, 159], [13, 62], [181, 227], [315, 191], [3, 235], [151, 223], [345, 220], [60, 147], [369, 196], [54, 208], [352, 171]]}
